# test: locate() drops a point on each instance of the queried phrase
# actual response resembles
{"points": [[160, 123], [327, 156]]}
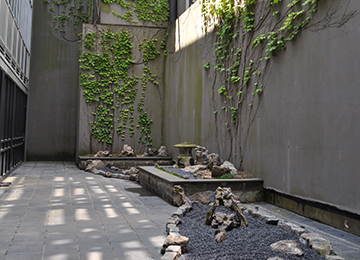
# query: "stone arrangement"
{"points": [[97, 167], [176, 244], [225, 222], [110, 171], [209, 165]]}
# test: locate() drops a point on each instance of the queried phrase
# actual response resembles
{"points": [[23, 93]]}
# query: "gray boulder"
{"points": [[287, 247]]}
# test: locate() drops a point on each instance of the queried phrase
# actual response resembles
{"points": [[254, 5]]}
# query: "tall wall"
{"points": [[300, 136], [54, 77]]}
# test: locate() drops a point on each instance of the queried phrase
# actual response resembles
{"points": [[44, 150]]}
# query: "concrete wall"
{"points": [[153, 100], [52, 107], [301, 136]]}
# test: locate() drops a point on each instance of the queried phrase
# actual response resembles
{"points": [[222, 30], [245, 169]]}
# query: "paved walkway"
{"points": [[54, 211]]}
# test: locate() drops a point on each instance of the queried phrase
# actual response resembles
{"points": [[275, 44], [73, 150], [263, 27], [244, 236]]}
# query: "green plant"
{"points": [[249, 34], [156, 11], [68, 16]]}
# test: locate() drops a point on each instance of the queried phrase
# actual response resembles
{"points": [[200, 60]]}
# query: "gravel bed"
{"points": [[250, 243], [179, 172]]}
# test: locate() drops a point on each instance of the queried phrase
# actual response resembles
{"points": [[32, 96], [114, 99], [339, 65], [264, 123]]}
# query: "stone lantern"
{"points": [[185, 153]]}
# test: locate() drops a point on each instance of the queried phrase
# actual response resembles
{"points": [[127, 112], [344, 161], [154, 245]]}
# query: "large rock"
{"points": [[220, 235], [217, 171], [102, 154], [288, 247], [223, 193], [151, 152], [214, 159], [179, 197], [230, 166], [204, 197], [194, 168], [181, 241], [201, 156], [162, 152], [91, 165], [134, 174], [127, 151], [319, 244]]}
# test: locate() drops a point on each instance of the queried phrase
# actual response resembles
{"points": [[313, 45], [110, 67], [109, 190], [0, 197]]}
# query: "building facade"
{"points": [[15, 41]]}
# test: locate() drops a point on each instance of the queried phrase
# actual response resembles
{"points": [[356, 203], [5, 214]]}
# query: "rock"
{"points": [[108, 174], [174, 220], [214, 159], [204, 197], [209, 215], [179, 197], [174, 250], [223, 193], [171, 228], [102, 154], [151, 152], [275, 258], [220, 235], [181, 241], [163, 152], [237, 207], [297, 230], [91, 164], [288, 247], [170, 256], [201, 156], [226, 221], [115, 168], [194, 168], [127, 151], [319, 244], [217, 171], [230, 166]]}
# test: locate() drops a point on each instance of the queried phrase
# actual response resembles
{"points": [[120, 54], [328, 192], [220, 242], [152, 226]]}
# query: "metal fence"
{"points": [[13, 103]]}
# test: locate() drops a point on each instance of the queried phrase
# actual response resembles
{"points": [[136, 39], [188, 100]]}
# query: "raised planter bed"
{"points": [[122, 162], [162, 183]]}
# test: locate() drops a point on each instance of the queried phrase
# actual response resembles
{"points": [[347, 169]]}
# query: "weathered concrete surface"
{"points": [[303, 140], [53, 84]]}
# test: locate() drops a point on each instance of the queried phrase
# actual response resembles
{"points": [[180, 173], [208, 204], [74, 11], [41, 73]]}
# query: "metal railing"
{"points": [[13, 103]]}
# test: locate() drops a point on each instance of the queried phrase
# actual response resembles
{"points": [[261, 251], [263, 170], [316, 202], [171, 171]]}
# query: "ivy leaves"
{"points": [[156, 11], [258, 33], [106, 81]]}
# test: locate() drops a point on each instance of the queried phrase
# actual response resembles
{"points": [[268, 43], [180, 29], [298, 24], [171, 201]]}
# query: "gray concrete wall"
{"points": [[154, 98], [53, 94], [301, 135]]}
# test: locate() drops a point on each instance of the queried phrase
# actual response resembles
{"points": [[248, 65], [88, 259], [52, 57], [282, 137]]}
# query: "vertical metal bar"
{"points": [[2, 118]]}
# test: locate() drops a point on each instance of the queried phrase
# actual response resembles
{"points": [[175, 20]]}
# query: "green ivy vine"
{"points": [[249, 34], [68, 14], [241, 53], [156, 11], [105, 68]]}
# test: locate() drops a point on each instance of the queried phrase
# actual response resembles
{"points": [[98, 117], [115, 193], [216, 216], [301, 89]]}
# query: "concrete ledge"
{"points": [[325, 213], [122, 162], [162, 183]]}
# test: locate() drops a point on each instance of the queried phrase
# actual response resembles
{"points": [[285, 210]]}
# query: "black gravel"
{"points": [[250, 243]]}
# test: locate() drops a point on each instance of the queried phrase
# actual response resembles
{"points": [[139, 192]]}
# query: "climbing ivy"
{"points": [[156, 11], [241, 52], [68, 14], [106, 63], [106, 82], [249, 34]]}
